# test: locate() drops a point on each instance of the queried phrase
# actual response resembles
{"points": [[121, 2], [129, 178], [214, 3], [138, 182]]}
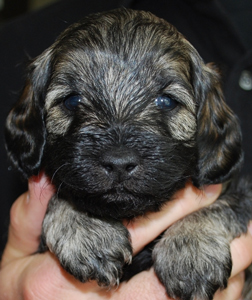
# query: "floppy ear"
{"points": [[25, 129], [218, 135]]}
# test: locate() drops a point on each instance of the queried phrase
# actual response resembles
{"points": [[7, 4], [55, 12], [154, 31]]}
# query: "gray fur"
{"points": [[77, 239]]}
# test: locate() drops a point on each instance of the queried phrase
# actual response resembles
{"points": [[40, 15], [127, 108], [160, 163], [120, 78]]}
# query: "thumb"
{"points": [[26, 219], [145, 229]]}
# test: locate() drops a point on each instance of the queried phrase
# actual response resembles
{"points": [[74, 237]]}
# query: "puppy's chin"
{"points": [[119, 204]]}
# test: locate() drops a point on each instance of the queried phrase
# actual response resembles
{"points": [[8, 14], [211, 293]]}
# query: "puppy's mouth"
{"points": [[122, 182], [120, 195], [120, 203]]}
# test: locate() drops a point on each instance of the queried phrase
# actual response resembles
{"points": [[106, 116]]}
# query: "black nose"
{"points": [[120, 163]]}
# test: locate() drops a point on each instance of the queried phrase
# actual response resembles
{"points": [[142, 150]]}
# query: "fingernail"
{"points": [[37, 178], [35, 182], [212, 191]]}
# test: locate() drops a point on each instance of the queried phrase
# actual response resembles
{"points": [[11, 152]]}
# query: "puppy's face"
{"points": [[120, 113]]}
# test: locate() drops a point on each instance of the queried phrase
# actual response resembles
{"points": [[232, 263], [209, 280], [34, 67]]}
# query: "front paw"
{"points": [[192, 263], [98, 255], [88, 248]]}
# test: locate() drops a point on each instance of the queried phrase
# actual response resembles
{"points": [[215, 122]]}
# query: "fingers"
{"points": [[44, 279], [241, 250], [27, 214], [234, 289], [242, 258], [144, 285], [145, 229]]}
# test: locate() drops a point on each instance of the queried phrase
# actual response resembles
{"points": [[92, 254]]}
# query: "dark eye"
{"points": [[72, 102], [166, 102]]}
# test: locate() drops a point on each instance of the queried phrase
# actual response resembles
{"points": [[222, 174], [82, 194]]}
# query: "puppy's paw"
{"points": [[88, 248], [98, 255], [192, 262]]}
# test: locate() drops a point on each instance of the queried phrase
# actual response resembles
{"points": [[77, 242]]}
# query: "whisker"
{"points": [[58, 170], [58, 190]]}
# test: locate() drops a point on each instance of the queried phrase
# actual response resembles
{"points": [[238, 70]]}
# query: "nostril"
{"points": [[123, 168]]}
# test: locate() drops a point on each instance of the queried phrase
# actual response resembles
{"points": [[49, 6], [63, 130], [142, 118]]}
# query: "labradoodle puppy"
{"points": [[120, 112]]}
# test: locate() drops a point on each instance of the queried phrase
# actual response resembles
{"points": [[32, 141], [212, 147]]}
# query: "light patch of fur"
{"points": [[183, 125], [57, 122], [54, 93], [183, 95]]}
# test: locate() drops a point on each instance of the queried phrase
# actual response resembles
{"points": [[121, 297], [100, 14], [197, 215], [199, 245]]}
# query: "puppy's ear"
{"points": [[25, 129], [218, 135]]}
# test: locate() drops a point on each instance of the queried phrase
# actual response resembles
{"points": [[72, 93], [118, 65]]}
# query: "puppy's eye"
{"points": [[166, 102], [72, 102]]}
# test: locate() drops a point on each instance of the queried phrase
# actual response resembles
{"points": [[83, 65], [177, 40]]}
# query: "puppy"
{"points": [[120, 112]]}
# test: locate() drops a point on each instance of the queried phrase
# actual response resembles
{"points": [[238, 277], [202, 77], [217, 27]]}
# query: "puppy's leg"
{"points": [[193, 258], [87, 247]]}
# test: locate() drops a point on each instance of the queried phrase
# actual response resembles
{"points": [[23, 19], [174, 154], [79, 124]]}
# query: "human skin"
{"points": [[25, 275]]}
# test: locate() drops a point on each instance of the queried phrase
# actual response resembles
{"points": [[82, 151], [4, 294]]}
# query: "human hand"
{"points": [[25, 275]]}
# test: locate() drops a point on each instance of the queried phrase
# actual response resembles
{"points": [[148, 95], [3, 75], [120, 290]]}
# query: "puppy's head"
{"points": [[120, 112]]}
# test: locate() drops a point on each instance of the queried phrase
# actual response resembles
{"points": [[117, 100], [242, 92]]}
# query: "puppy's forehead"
{"points": [[121, 58]]}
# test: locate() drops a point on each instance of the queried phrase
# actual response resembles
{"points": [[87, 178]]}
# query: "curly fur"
{"points": [[117, 155]]}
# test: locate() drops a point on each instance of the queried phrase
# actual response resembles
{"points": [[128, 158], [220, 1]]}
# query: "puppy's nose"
{"points": [[120, 163]]}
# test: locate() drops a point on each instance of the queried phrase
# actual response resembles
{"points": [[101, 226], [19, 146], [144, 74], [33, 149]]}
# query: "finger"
{"points": [[143, 230], [144, 285], [27, 214], [234, 289], [241, 251], [36, 276], [40, 276]]}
